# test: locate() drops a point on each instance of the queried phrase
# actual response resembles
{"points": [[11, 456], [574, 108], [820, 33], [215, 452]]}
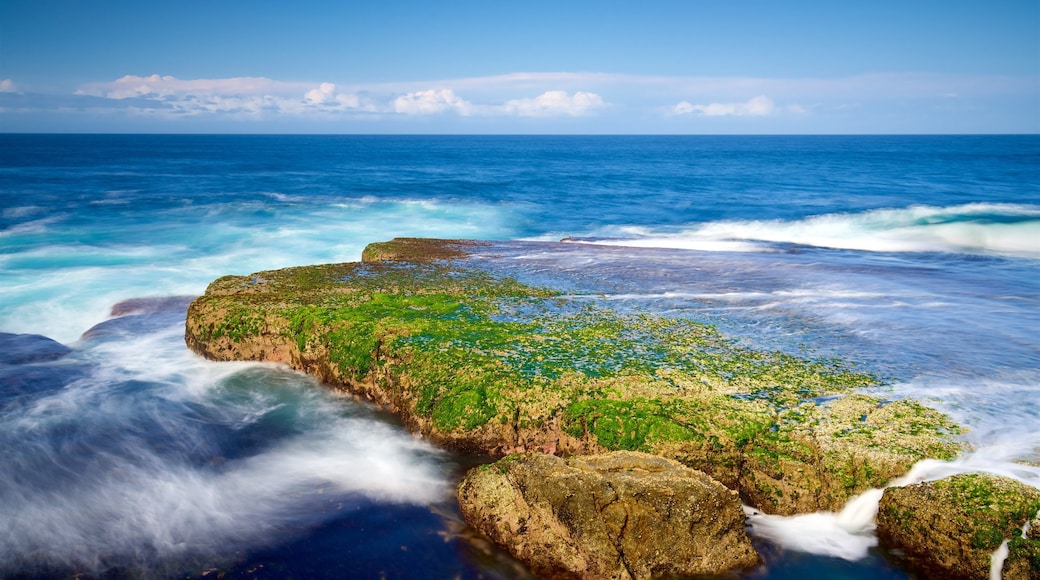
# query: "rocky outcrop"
{"points": [[951, 527], [619, 515], [475, 360]]}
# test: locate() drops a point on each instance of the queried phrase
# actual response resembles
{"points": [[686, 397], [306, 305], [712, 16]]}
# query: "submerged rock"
{"points": [[19, 349], [617, 515], [478, 361], [152, 305], [950, 528]]}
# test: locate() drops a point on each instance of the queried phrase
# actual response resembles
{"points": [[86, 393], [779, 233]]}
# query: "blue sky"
{"points": [[521, 67]]}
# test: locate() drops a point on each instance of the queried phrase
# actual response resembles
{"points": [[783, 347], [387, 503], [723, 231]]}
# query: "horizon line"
{"points": [[406, 134]]}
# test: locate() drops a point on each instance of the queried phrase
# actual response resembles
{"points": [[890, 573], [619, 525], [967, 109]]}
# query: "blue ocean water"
{"points": [[916, 257]]}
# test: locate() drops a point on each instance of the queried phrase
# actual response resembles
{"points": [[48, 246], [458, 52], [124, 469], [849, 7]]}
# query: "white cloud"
{"points": [[7, 86], [241, 96], [432, 101], [156, 86], [326, 95], [238, 96], [549, 103], [552, 103], [640, 103], [759, 106]]}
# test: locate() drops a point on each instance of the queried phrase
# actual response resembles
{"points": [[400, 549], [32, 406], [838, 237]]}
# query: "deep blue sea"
{"points": [[124, 454]]}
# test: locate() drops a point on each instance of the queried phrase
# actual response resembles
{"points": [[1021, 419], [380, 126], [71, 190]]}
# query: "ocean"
{"points": [[917, 258]]}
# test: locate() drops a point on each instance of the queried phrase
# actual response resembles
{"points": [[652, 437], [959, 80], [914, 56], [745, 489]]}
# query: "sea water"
{"points": [[915, 257]]}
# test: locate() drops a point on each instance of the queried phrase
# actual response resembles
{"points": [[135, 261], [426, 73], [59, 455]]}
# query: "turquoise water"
{"points": [[916, 257]]}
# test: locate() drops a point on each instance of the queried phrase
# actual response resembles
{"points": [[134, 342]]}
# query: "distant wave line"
{"points": [[977, 228]]}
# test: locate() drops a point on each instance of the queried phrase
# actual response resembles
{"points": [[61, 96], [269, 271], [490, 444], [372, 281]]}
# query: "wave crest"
{"points": [[977, 228]]}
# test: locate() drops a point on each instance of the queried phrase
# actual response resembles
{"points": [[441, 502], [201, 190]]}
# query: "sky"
{"points": [[519, 67]]}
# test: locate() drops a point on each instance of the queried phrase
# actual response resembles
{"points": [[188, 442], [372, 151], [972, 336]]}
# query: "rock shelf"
{"points": [[477, 361]]}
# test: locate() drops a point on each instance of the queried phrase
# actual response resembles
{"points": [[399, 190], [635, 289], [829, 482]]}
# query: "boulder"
{"points": [[617, 515], [950, 528]]}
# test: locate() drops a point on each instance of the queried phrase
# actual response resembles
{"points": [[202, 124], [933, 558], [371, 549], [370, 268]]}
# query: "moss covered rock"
{"points": [[817, 456], [951, 527], [478, 361], [617, 515]]}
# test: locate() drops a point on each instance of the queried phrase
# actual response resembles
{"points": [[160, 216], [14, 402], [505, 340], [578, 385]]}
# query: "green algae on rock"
{"points": [[479, 361], [616, 515], [951, 527], [416, 250], [819, 456]]}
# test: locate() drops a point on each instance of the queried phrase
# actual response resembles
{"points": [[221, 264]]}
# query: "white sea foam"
{"points": [[1000, 413], [850, 533], [695, 240], [60, 290], [23, 211], [33, 226], [1001, 229], [113, 469], [996, 561], [153, 509]]}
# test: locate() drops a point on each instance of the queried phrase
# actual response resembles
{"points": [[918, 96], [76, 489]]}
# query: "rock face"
{"points": [[618, 515], [951, 527], [474, 359]]}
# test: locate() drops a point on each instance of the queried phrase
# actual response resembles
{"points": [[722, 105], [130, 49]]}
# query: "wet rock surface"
{"points": [[152, 305], [951, 527], [139, 316], [18, 349], [616, 515]]}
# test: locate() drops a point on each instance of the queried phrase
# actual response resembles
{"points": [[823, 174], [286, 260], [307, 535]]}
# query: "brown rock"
{"points": [[617, 515], [951, 527], [416, 250]]}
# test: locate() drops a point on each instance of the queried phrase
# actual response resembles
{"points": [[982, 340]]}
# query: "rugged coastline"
{"points": [[478, 361]]}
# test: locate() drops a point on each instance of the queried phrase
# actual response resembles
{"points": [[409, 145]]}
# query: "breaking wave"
{"points": [[135, 457], [977, 228]]}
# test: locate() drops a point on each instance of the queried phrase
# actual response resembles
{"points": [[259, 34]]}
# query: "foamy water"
{"points": [[61, 289], [850, 533], [988, 229], [151, 458]]}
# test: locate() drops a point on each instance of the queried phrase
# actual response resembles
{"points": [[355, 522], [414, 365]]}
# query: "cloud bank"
{"points": [[259, 96], [241, 96], [156, 86], [546, 101]]}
